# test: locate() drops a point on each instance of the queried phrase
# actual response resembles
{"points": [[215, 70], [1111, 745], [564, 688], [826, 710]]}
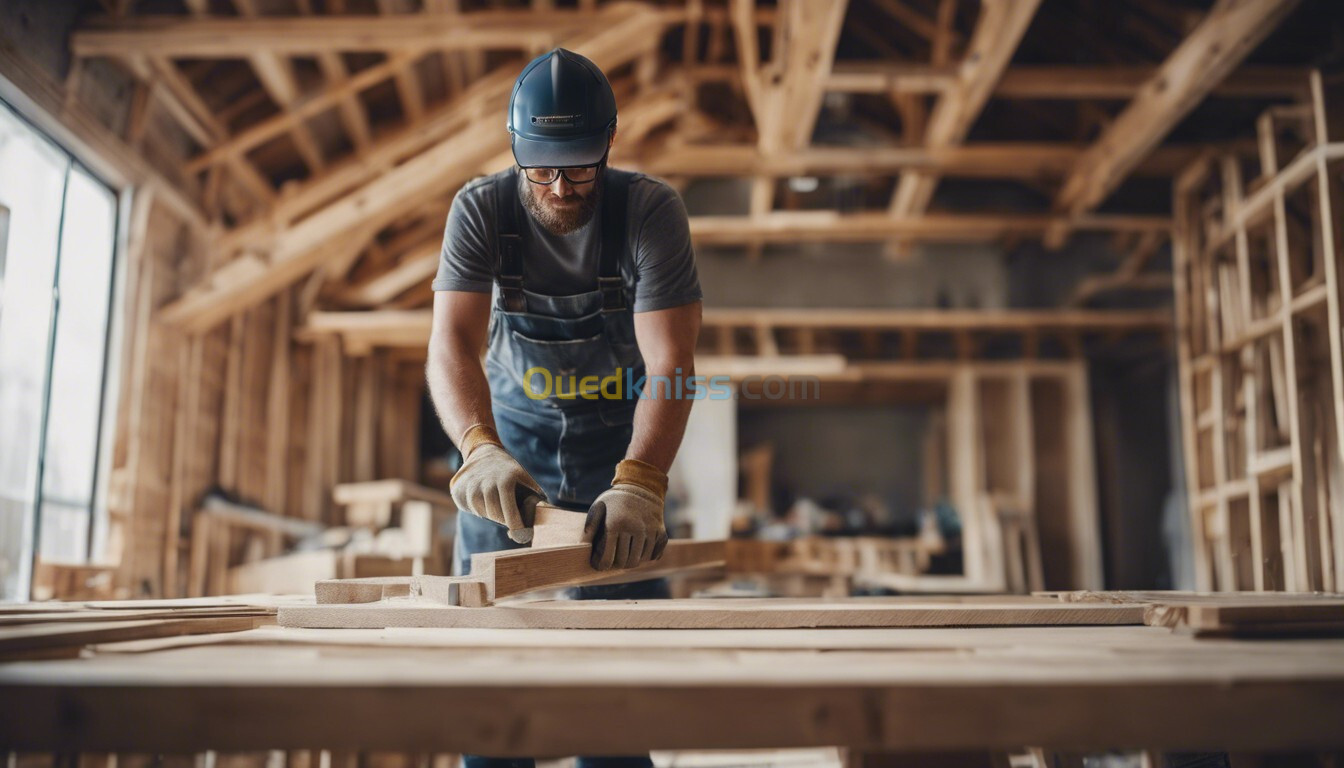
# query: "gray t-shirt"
{"points": [[657, 235]]}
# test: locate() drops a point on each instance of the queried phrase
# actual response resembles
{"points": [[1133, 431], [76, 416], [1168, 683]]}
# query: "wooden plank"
{"points": [[1089, 687], [726, 613], [1264, 612], [46, 636], [514, 572], [1183, 596], [1084, 518]]}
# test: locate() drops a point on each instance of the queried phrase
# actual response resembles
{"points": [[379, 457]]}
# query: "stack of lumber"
{"points": [[388, 528], [61, 630]]}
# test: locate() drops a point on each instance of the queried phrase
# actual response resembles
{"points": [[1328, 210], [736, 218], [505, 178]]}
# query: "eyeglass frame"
{"points": [[560, 172]]}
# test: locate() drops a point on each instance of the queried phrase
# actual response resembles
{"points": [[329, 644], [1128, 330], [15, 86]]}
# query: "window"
{"points": [[57, 238]]}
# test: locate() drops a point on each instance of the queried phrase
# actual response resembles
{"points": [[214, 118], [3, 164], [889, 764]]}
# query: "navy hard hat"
{"points": [[561, 112]]}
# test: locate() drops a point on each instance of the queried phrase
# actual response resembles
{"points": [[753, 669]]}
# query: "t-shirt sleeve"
{"points": [[465, 259], [664, 259]]}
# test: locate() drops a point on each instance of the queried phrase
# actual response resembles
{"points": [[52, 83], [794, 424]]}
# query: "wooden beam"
{"points": [[911, 19], [407, 81], [785, 96], [516, 572], [1054, 82], [998, 31], [418, 266], [1124, 82], [360, 332], [182, 101], [353, 116], [1016, 160], [342, 91], [1232, 29], [831, 226], [205, 38]]}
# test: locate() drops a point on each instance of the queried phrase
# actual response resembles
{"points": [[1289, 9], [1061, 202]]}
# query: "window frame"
{"points": [[76, 153]]}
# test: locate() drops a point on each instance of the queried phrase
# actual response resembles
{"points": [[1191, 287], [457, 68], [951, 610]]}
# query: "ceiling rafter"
{"points": [[998, 30], [785, 94], [277, 257], [876, 226], [1011, 160], [276, 74], [229, 37], [178, 96], [409, 89], [1230, 31]]}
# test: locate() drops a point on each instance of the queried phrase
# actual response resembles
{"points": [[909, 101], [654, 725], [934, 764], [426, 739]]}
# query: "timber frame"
{"points": [[1262, 369]]}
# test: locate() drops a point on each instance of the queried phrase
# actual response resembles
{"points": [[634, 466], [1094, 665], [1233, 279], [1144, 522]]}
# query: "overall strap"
{"points": [[509, 266], [614, 220]]}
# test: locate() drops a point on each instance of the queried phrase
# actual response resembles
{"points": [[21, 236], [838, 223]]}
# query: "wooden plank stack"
{"points": [[60, 630]]}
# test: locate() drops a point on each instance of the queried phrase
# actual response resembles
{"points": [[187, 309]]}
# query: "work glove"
{"points": [[625, 523], [491, 483]]}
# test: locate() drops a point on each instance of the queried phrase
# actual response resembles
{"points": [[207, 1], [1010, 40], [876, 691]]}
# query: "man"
{"points": [[567, 271]]}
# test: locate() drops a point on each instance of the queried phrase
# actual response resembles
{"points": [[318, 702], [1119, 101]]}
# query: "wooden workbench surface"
{"points": [[574, 691]]}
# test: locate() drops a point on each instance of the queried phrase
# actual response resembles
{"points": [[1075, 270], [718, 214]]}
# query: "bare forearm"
{"points": [[660, 419], [458, 388]]}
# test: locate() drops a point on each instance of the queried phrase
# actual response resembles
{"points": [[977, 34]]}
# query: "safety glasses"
{"points": [[577, 174]]}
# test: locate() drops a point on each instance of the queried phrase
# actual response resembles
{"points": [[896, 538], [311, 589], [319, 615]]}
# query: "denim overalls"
{"points": [[569, 445]]}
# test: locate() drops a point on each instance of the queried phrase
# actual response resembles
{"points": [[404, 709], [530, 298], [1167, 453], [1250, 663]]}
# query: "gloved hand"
{"points": [[489, 481], [625, 523]]}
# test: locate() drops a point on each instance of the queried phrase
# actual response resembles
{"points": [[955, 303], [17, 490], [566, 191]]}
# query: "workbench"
{"points": [[617, 691]]}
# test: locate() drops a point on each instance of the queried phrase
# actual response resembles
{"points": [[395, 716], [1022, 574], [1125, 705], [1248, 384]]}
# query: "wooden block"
{"points": [[454, 590], [744, 613], [556, 527], [367, 590]]}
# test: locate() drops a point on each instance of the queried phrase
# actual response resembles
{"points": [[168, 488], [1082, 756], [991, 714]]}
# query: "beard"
{"points": [[561, 220]]}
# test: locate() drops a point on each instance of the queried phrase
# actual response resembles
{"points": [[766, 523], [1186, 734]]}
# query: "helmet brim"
{"points": [[559, 153]]}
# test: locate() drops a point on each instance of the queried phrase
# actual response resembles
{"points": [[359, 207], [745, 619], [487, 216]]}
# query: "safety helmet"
{"points": [[561, 112]]}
